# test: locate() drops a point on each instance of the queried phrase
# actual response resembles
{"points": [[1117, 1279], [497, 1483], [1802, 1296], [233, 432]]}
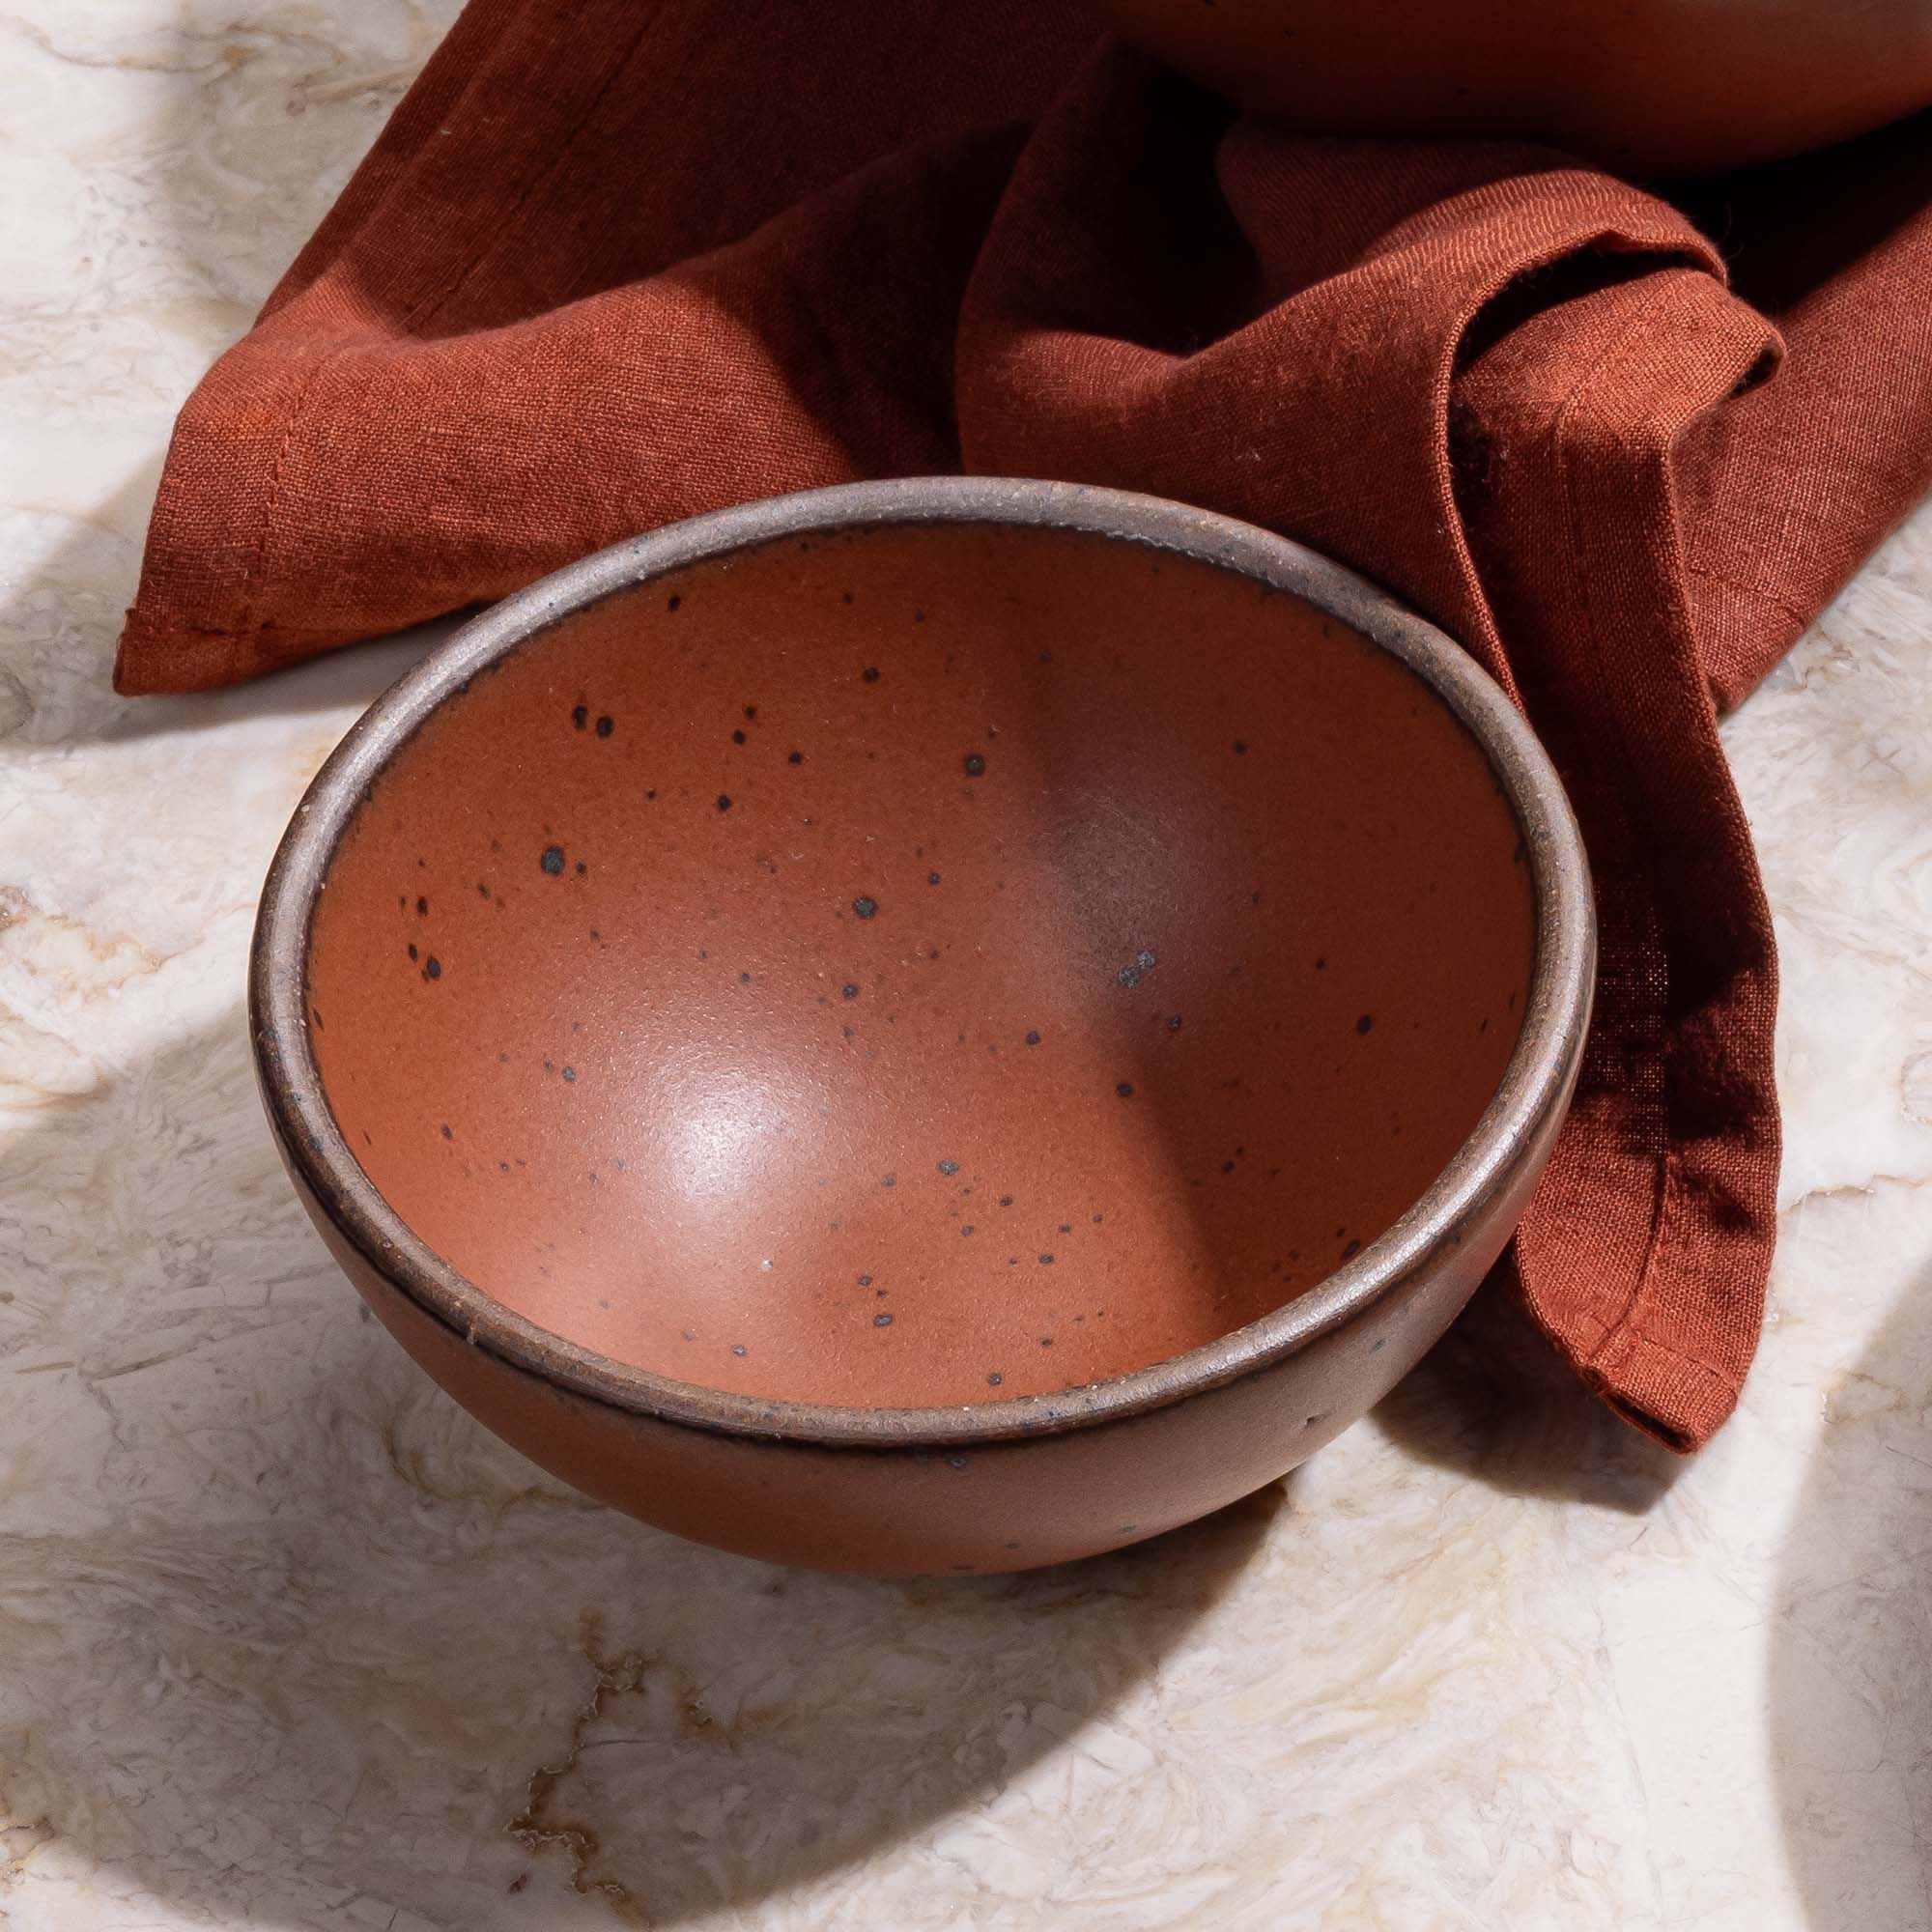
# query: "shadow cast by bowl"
{"points": [[1850, 1690], [288, 1630], [798, 1756], [1494, 1402]]}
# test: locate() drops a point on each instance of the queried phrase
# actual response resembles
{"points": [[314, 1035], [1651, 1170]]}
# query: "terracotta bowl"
{"points": [[933, 1025]]}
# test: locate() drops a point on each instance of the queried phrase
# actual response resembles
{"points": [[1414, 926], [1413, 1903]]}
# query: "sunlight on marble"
{"points": [[286, 1641]]}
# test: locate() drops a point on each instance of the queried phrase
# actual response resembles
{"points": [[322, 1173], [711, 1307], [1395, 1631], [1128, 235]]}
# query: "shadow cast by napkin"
{"points": [[58, 626], [229, 140], [1493, 1400], [288, 1633]]}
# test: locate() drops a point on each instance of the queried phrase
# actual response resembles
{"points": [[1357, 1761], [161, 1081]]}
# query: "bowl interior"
{"points": [[921, 965]]}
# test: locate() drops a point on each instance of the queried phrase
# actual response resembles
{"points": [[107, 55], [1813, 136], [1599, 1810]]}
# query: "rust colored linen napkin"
{"points": [[615, 263]]}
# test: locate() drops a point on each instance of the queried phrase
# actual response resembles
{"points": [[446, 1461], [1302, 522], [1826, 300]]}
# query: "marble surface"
{"points": [[286, 1641]]}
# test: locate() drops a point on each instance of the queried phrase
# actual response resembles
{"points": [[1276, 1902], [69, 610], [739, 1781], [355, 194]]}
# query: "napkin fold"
{"points": [[613, 264]]}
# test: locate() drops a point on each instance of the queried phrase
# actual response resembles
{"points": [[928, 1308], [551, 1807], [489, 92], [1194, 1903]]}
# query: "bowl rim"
{"points": [[1534, 1085]]}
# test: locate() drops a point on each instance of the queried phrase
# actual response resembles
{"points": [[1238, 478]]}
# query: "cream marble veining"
{"points": [[287, 1642]]}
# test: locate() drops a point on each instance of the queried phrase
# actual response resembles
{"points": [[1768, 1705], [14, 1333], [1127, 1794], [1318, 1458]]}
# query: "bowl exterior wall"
{"points": [[975, 1509]]}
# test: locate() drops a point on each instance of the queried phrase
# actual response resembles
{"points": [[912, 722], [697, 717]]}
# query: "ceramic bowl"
{"points": [[931, 1026]]}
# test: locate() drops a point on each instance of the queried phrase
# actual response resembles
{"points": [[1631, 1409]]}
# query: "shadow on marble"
{"points": [[1494, 1402], [251, 125], [1851, 1653], [60, 622], [288, 1634]]}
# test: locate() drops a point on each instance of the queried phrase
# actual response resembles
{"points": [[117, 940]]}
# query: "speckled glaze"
{"points": [[931, 1026]]}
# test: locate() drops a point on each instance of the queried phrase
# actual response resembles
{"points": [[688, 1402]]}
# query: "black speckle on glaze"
{"points": [[737, 737], [975, 766], [795, 759], [865, 905], [570, 1073], [673, 602], [432, 968], [870, 673], [1363, 1024], [581, 869], [864, 1281], [932, 878], [553, 860], [1241, 747], [1066, 1227], [1032, 1040], [1046, 1341], [882, 1321], [888, 1180], [413, 950], [1145, 961], [579, 715], [1125, 1088], [1321, 965], [993, 1381], [850, 991], [1129, 975], [949, 1167], [1174, 1022], [446, 1134], [967, 1229], [1005, 1199], [751, 712], [1351, 1251], [724, 801], [737, 1347], [1047, 1261], [422, 907], [606, 726]]}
